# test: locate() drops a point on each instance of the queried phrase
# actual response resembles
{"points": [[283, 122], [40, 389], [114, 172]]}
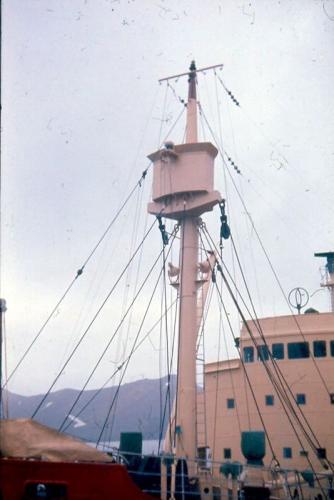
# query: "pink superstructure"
{"points": [[303, 346]]}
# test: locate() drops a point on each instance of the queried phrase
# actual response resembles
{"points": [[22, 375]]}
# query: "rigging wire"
{"points": [[164, 303], [202, 127], [283, 161], [255, 321], [277, 369], [92, 321], [160, 362], [265, 365], [295, 319], [110, 341], [135, 340], [184, 105], [126, 292], [119, 367], [279, 389], [232, 255], [78, 274], [229, 93], [170, 422], [177, 97], [244, 368], [166, 136], [163, 114], [241, 360], [108, 345], [217, 382], [173, 126], [231, 378], [4, 399], [201, 342], [141, 139], [138, 184], [180, 318], [220, 128], [265, 253], [41, 329], [90, 255], [165, 239]]}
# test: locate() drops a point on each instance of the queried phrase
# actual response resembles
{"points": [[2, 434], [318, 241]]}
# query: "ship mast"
{"points": [[185, 418], [183, 190]]}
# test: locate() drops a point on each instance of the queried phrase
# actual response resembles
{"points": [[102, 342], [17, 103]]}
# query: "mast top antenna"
{"points": [[192, 81], [192, 66]]}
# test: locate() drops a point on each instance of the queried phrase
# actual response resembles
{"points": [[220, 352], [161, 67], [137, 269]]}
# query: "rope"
{"points": [[265, 365], [134, 236], [135, 341], [277, 369], [108, 344], [229, 93], [231, 378], [120, 366], [247, 377], [167, 395], [279, 389], [169, 381], [42, 329], [180, 318], [91, 323], [78, 274], [268, 259], [260, 331]]}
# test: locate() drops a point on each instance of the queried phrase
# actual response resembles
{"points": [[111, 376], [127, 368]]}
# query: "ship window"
{"points": [[230, 403], [300, 399], [263, 352], [278, 351], [269, 400], [287, 452], [331, 396], [248, 354], [332, 347], [319, 348], [35, 490], [303, 453], [227, 453], [298, 350]]}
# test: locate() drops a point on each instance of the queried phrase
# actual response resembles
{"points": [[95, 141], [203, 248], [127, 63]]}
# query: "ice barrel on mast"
{"points": [[183, 180]]}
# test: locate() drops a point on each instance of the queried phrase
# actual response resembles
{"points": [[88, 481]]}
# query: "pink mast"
{"points": [[182, 190]]}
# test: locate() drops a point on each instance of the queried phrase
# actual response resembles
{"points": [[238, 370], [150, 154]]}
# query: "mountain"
{"points": [[139, 407]]}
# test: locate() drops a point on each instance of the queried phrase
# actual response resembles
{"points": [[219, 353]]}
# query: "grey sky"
{"points": [[81, 110]]}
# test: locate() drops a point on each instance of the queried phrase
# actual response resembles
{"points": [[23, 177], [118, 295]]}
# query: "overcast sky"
{"points": [[82, 108]]}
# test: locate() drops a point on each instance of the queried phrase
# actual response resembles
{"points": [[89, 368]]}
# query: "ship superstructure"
{"points": [[303, 349]]}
